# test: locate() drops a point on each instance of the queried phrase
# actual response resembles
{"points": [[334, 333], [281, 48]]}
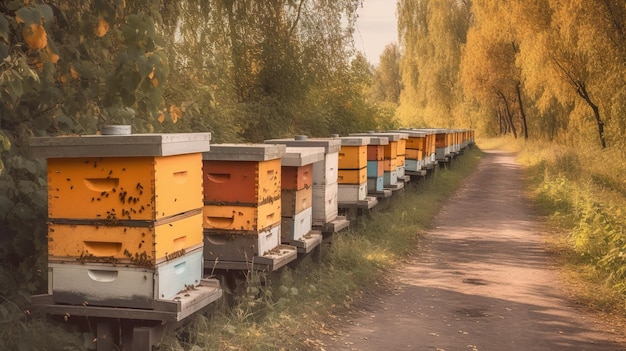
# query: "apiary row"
{"points": [[136, 219]]}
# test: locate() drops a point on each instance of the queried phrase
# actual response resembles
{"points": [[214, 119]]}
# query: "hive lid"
{"points": [[389, 135], [134, 145], [302, 156], [330, 145], [412, 133], [374, 140], [244, 152], [355, 140]]}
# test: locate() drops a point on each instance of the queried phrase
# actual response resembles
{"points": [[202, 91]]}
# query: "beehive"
{"points": [[96, 284], [232, 246], [225, 167], [297, 210], [375, 163], [325, 175], [296, 201], [297, 226], [123, 216], [390, 154], [129, 188], [131, 243], [415, 145], [248, 182]]}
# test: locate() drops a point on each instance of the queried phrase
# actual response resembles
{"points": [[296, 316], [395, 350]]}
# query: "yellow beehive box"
{"points": [[352, 176], [126, 188], [138, 245], [400, 160], [296, 201], [353, 157], [253, 219], [391, 150], [390, 165], [401, 146]]}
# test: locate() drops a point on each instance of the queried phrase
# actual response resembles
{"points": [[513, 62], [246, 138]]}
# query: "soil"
{"points": [[480, 279]]}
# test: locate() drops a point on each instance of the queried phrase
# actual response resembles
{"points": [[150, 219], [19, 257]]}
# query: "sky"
{"points": [[376, 27]]}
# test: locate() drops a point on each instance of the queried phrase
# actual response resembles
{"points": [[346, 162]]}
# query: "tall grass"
{"points": [[296, 309], [583, 191]]}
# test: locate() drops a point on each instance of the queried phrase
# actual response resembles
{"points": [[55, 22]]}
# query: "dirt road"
{"points": [[480, 280]]}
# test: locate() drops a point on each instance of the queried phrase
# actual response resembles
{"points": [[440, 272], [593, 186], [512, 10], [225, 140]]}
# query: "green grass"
{"points": [[296, 309]]}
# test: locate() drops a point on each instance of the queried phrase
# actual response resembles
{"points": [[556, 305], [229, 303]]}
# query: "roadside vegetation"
{"points": [[582, 193], [300, 307]]}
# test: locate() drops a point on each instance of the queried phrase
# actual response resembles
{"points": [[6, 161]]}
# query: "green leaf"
{"points": [[23, 212], [4, 28], [29, 15], [5, 204], [26, 187], [45, 12]]}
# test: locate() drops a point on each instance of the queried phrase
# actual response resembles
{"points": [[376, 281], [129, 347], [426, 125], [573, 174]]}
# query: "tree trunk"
{"points": [[581, 89], [521, 111], [507, 112]]}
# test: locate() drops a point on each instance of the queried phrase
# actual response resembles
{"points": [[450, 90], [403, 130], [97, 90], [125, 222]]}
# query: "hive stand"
{"points": [[297, 191], [242, 208], [102, 269], [325, 208]]}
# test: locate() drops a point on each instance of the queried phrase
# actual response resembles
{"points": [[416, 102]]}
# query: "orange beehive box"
{"points": [[352, 157], [296, 201], [139, 245], [253, 219], [353, 176], [296, 178], [375, 152], [250, 182], [414, 154], [128, 188]]}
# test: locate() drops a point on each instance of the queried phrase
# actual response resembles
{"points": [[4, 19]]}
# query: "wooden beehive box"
{"points": [[297, 166], [325, 171], [96, 284], [297, 226], [131, 243], [353, 152], [242, 173], [131, 177], [353, 176], [234, 246]]}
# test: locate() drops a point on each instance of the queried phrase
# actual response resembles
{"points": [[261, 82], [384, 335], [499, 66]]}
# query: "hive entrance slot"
{"points": [[219, 177], [101, 184], [101, 248]]}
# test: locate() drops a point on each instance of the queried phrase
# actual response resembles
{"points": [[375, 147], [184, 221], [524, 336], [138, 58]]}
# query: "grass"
{"points": [[581, 192], [297, 309]]}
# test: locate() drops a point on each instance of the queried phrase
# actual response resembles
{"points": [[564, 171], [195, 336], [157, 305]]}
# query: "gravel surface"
{"points": [[480, 280]]}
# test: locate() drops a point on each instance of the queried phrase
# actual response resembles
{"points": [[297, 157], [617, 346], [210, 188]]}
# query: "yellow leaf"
{"points": [[54, 58], [161, 118], [175, 113], [64, 79], [73, 72], [102, 28], [155, 82], [35, 36], [18, 19], [151, 74]]}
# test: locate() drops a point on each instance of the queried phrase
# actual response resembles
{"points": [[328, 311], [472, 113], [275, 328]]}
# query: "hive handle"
{"points": [[102, 248]]}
